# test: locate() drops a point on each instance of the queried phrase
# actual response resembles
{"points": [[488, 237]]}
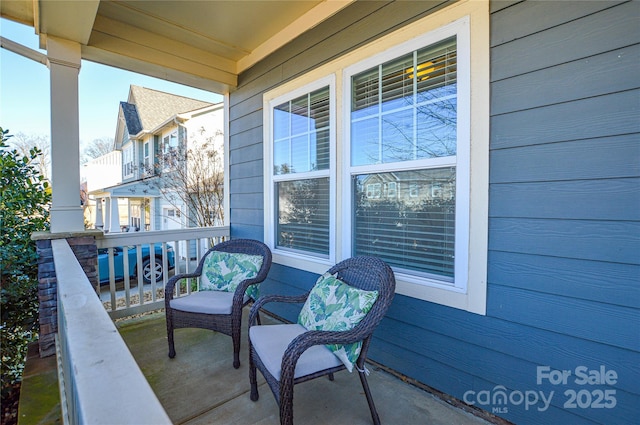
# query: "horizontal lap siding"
{"points": [[564, 216], [564, 213]]}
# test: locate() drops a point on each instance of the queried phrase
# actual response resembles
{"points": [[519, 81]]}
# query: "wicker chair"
{"points": [[220, 311], [283, 371]]}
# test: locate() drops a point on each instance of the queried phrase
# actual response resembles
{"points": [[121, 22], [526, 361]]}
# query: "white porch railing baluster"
{"points": [[182, 241]]}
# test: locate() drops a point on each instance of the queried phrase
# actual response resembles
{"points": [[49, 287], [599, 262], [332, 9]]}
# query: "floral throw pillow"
{"points": [[223, 271], [333, 305]]}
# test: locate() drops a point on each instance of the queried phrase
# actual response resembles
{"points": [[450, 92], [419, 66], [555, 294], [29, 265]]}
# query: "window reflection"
{"points": [[407, 218], [406, 109]]}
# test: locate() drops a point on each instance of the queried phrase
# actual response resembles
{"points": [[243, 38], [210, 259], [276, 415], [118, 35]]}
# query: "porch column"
{"points": [[114, 216], [107, 214], [143, 215], [99, 223], [130, 221], [64, 66]]}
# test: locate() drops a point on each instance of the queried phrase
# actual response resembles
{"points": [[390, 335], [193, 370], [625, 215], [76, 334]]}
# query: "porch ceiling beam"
{"points": [[132, 15], [107, 28], [28, 53], [161, 71], [163, 57]]}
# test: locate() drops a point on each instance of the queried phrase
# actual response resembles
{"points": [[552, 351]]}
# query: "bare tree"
{"points": [[24, 143], [97, 148], [193, 175]]}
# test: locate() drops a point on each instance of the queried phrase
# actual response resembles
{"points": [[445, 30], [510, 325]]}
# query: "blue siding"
{"points": [[564, 213]]}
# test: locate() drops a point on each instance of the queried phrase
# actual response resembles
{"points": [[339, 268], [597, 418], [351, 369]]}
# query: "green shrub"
{"points": [[24, 209]]}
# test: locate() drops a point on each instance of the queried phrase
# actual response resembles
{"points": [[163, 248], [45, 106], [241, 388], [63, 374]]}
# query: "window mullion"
{"points": [[290, 124], [309, 129], [414, 96], [380, 141]]}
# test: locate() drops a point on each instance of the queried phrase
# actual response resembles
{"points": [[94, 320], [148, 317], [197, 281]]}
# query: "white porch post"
{"points": [[130, 222], [114, 216], [64, 66], [99, 222], [107, 214], [143, 215]]}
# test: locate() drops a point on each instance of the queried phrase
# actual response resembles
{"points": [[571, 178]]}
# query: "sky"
{"points": [[25, 99]]}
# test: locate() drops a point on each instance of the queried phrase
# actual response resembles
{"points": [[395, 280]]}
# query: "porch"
{"points": [[112, 365], [199, 386]]}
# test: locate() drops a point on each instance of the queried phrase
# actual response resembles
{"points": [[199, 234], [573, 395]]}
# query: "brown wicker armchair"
{"points": [[289, 354], [215, 310]]}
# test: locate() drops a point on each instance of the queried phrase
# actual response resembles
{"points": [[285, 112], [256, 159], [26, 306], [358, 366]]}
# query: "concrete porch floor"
{"points": [[200, 385]]}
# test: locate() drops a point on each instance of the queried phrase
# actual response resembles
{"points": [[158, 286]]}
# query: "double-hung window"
{"points": [[127, 161], [147, 158], [411, 141], [170, 151], [301, 136], [405, 130]]}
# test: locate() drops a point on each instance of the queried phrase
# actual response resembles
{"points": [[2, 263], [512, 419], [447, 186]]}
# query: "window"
{"points": [[403, 117], [414, 123], [300, 147], [127, 161], [147, 159], [170, 151]]}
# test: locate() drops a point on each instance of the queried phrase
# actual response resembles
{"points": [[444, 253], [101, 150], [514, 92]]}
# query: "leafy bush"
{"points": [[24, 209]]}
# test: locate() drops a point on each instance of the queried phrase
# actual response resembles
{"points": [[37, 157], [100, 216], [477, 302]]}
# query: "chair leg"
{"points": [[286, 411], [331, 377], [172, 348], [285, 402], [236, 349], [367, 393], [252, 378]]}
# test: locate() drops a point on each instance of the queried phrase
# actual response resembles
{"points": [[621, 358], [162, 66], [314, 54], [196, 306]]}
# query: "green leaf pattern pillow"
{"points": [[223, 271], [333, 305]]}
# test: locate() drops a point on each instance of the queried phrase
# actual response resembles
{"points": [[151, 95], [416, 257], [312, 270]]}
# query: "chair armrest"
{"points": [[171, 283], [306, 340], [255, 308]]}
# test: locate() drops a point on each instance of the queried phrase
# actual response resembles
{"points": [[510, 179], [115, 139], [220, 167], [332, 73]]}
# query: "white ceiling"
{"points": [[201, 43]]}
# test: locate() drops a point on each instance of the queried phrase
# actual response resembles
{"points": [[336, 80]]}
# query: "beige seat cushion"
{"points": [[206, 302], [271, 341]]}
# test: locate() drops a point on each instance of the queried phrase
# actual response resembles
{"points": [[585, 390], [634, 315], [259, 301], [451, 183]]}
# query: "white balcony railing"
{"points": [[123, 258], [100, 382]]}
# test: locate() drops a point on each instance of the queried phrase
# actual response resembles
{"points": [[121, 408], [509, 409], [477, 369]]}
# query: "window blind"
{"points": [[303, 215], [407, 218]]}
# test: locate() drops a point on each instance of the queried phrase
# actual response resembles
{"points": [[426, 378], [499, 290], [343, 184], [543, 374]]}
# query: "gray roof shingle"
{"points": [[154, 107], [131, 117]]}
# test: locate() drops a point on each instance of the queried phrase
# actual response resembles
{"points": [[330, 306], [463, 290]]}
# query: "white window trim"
{"points": [[318, 264], [473, 296], [460, 161]]}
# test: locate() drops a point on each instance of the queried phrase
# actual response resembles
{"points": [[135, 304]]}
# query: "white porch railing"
{"points": [[100, 382], [132, 295]]}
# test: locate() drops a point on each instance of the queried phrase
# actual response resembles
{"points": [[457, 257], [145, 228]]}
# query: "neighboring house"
{"points": [[98, 173], [516, 131], [154, 130]]}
